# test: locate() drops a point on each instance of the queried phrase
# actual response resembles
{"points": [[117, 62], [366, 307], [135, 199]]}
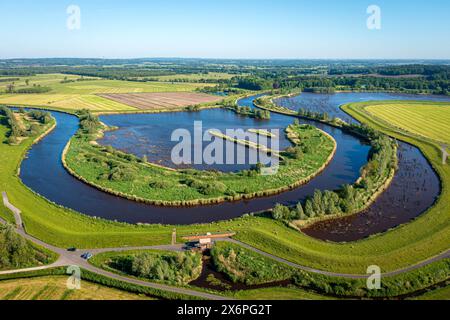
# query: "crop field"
{"points": [[428, 120], [74, 92], [159, 101], [55, 288]]}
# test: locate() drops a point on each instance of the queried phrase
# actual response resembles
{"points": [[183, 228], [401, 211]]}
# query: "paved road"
{"points": [[73, 258]]}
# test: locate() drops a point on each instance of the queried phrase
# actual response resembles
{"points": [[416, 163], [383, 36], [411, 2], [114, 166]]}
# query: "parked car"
{"points": [[72, 249], [87, 255]]}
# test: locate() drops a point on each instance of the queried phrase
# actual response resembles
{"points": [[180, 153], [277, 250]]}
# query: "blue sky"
{"points": [[225, 29]]}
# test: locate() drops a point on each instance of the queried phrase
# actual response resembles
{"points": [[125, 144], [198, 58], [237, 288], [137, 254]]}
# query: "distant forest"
{"points": [[306, 75]]}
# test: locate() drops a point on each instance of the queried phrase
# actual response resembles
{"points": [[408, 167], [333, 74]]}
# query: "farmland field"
{"points": [[429, 120], [55, 288], [73, 92], [159, 101]]}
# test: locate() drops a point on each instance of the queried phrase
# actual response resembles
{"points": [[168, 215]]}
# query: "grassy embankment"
{"points": [[396, 249], [74, 94], [127, 176]]}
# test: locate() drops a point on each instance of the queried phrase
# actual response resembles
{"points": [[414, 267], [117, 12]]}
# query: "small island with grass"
{"points": [[134, 178]]}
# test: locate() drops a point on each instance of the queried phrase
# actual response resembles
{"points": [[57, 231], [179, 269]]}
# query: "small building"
{"points": [[204, 242]]}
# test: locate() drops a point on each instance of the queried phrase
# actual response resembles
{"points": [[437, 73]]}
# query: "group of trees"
{"points": [[18, 129], [321, 116], [115, 171], [349, 198], [248, 111], [36, 88], [16, 252], [89, 123], [180, 268], [206, 188], [254, 83], [43, 117]]}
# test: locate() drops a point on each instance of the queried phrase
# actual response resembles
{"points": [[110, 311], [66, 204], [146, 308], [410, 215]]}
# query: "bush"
{"points": [[160, 184], [122, 174], [179, 268], [281, 213]]}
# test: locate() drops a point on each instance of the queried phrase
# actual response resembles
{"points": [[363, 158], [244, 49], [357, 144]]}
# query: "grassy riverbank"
{"points": [[127, 176]]}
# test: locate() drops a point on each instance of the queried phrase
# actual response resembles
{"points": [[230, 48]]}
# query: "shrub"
{"points": [[160, 184]]}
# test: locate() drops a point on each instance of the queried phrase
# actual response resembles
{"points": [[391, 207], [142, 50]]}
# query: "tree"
{"points": [[281, 212], [309, 209], [10, 88], [300, 213]]}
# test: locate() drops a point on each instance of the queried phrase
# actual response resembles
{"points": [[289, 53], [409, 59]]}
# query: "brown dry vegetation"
{"points": [[164, 100]]}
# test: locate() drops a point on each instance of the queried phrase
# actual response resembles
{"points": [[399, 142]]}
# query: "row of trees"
{"points": [[36, 88], [18, 129], [16, 252], [349, 198], [248, 111]]}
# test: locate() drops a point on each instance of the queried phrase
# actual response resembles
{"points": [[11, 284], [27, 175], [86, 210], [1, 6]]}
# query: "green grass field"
{"points": [[82, 94], [429, 120], [55, 288]]}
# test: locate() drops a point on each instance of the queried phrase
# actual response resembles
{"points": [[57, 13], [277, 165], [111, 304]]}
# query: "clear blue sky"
{"points": [[225, 29]]}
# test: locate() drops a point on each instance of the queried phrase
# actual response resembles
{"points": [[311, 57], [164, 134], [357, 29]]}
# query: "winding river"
{"points": [[414, 189]]}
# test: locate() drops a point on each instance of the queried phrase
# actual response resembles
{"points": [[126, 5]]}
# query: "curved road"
{"points": [[67, 258]]}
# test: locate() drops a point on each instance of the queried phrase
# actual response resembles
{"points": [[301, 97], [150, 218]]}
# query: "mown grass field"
{"points": [[83, 94], [430, 120], [428, 236], [55, 288]]}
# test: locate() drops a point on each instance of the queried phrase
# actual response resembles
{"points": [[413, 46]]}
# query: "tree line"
{"points": [[18, 129], [349, 198]]}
